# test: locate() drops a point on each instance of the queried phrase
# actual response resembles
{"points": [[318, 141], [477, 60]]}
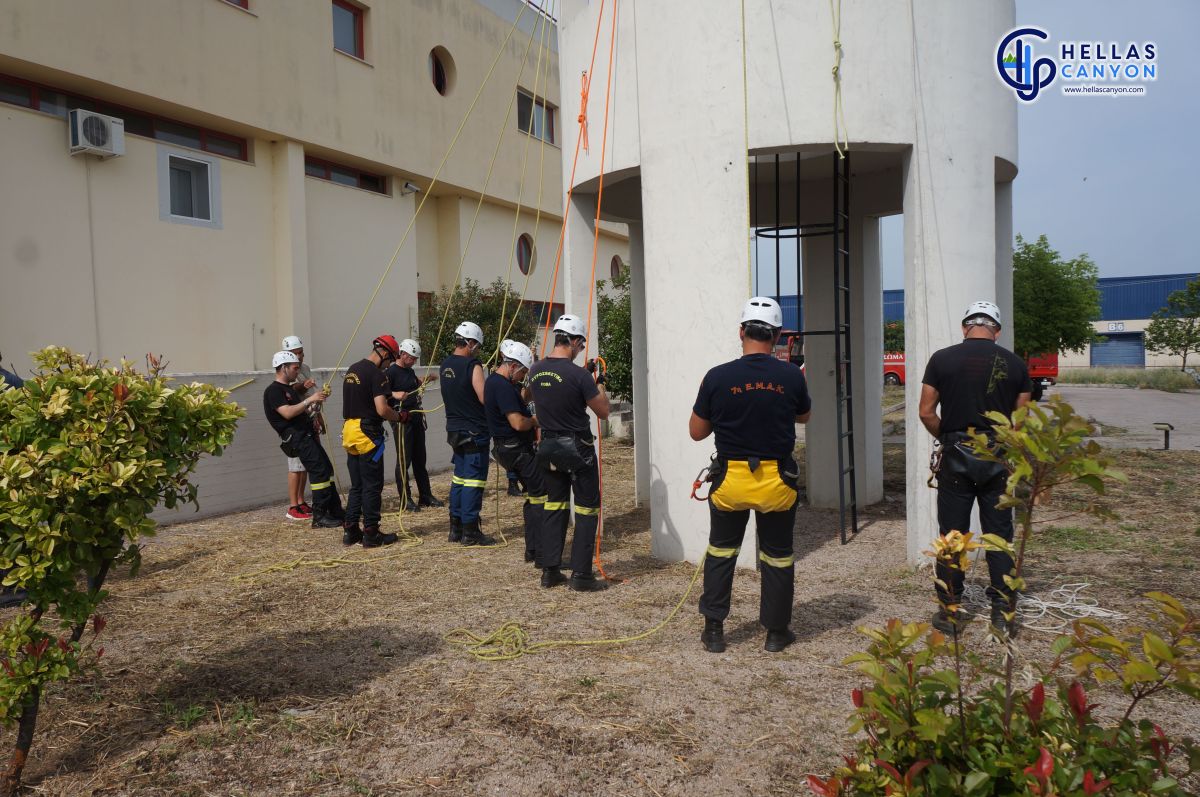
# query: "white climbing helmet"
{"points": [[470, 331], [764, 310], [571, 325], [291, 343], [283, 358], [514, 350], [411, 348], [982, 308]]}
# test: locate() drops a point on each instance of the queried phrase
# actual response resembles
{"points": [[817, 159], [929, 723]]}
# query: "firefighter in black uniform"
{"points": [[467, 434], [409, 436], [562, 394], [968, 380], [513, 432], [288, 414], [752, 404], [365, 407]]}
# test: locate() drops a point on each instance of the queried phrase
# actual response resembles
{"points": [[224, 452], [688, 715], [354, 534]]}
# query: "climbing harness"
{"points": [[935, 464]]}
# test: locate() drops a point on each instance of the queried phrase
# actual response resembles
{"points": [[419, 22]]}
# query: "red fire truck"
{"points": [[1043, 370]]}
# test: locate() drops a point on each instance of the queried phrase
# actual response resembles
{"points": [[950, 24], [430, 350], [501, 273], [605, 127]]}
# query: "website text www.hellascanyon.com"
{"points": [[1116, 91]]}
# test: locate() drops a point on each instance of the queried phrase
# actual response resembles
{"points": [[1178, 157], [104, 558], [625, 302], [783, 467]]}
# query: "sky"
{"points": [[1117, 178]]}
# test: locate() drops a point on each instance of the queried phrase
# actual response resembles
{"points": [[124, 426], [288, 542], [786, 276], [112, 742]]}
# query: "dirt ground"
{"points": [[234, 665]]}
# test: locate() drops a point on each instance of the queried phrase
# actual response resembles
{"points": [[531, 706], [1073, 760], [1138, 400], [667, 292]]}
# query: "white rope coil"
{"points": [[1052, 614]]}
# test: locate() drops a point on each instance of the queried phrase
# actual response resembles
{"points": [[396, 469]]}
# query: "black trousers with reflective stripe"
{"points": [[727, 531], [523, 463], [411, 451], [320, 472], [585, 481], [365, 498]]}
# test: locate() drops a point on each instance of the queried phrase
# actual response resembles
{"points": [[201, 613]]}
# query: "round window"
{"points": [[526, 254], [615, 266], [441, 70]]}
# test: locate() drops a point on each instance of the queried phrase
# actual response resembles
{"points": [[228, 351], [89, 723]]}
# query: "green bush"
{"points": [[1166, 379], [497, 309], [87, 451], [614, 317]]}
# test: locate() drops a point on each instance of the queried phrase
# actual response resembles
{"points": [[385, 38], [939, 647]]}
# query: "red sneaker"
{"points": [[298, 513], [306, 507]]}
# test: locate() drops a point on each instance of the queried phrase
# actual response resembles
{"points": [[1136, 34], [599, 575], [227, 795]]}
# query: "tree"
{"points": [[87, 451], [484, 306], [893, 336], [1176, 327], [1054, 300], [614, 317]]}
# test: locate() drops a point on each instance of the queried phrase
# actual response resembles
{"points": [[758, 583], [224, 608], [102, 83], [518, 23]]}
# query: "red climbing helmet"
{"points": [[388, 344]]}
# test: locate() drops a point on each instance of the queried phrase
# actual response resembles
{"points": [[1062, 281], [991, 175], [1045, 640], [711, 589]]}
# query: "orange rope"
{"points": [[592, 285], [583, 98], [570, 189]]}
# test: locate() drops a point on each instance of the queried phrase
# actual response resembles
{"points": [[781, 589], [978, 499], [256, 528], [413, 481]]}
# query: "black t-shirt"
{"points": [[752, 404], [500, 397], [974, 377], [561, 391], [464, 413], [280, 395], [362, 383], [404, 380]]}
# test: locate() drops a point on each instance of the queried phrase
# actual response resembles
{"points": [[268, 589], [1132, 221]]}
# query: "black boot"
{"points": [[373, 538], [586, 583], [323, 521], [946, 622], [351, 534], [552, 577], [713, 636], [778, 639], [456, 530], [473, 535], [429, 500], [1005, 627], [514, 488]]}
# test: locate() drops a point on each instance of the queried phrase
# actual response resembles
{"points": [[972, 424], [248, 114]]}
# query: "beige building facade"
{"points": [[275, 156], [271, 152]]}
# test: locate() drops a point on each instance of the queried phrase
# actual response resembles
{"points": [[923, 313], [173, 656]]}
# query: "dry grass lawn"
{"points": [[257, 656]]}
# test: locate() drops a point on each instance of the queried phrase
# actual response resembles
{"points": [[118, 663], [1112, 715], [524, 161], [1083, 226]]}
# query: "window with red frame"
{"points": [[344, 175], [56, 102], [348, 28]]}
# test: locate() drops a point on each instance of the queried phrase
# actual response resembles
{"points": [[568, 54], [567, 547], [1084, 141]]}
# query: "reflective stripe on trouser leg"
{"points": [[535, 501], [586, 483], [778, 572], [326, 500], [725, 535], [554, 518], [470, 478]]}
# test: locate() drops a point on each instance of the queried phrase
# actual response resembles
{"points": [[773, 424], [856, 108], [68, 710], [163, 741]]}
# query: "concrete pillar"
{"points": [[694, 192], [950, 252], [576, 271], [292, 306], [866, 308], [641, 410], [1004, 260], [820, 435]]}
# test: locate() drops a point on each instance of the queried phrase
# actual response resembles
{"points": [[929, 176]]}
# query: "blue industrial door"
{"points": [[1120, 350]]}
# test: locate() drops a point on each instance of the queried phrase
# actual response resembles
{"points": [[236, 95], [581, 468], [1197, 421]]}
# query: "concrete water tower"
{"points": [[931, 133]]}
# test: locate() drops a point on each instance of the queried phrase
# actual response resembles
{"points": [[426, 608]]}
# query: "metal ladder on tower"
{"points": [[842, 349]]}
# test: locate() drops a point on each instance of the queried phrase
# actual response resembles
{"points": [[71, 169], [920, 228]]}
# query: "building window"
{"points": [[57, 103], [615, 266], [526, 253], [348, 28], [189, 188], [441, 70], [344, 175], [535, 116]]}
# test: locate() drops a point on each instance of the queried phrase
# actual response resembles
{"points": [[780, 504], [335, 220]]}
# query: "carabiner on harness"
{"points": [[705, 475], [935, 464]]}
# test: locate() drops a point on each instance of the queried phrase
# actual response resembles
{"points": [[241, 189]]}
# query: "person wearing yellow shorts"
{"points": [[752, 404]]}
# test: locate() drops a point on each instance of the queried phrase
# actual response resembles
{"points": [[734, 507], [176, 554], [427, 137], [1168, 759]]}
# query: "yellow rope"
{"points": [[512, 244], [427, 193], [746, 158], [839, 113], [510, 641], [482, 193]]}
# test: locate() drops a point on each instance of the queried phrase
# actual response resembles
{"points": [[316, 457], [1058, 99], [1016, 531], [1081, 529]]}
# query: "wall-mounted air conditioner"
{"points": [[95, 134]]}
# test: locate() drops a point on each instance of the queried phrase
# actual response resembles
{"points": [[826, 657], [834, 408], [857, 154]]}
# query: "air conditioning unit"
{"points": [[95, 134]]}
